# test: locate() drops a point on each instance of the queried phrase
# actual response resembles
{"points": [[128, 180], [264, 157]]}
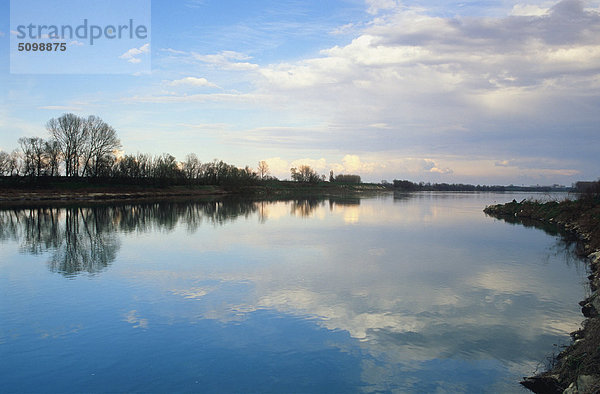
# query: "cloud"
{"points": [[350, 164], [353, 164], [528, 10], [76, 43], [466, 92], [344, 29], [193, 82], [278, 166], [504, 84], [61, 108], [225, 60], [131, 55], [377, 5], [193, 98], [194, 3]]}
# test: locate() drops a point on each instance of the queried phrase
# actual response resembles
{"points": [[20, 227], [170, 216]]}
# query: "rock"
{"points": [[587, 383], [543, 384], [572, 389], [588, 310], [594, 257], [583, 384], [590, 306], [595, 301]]}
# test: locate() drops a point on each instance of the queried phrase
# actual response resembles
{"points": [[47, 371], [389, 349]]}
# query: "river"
{"points": [[393, 293]]}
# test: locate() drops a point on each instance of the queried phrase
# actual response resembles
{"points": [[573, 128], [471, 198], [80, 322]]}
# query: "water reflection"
{"points": [[84, 239], [418, 294], [305, 208], [78, 239]]}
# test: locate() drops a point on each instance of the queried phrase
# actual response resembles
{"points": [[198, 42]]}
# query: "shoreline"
{"points": [[576, 369], [90, 194]]}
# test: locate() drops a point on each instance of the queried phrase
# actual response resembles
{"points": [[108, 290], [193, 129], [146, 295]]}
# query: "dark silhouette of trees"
{"points": [[305, 174], [52, 152], [341, 178], [192, 167], [89, 148], [69, 133], [99, 147]]}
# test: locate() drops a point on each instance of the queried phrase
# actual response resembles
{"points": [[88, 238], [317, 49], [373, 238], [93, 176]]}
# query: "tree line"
{"points": [[89, 147], [76, 146], [408, 186]]}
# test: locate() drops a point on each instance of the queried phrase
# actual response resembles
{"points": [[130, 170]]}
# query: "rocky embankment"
{"points": [[577, 368]]}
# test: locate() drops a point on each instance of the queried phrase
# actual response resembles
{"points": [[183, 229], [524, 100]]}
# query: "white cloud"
{"points": [[377, 5], [500, 82], [193, 98], [428, 97], [278, 167], [229, 60], [350, 164], [353, 164], [76, 43], [344, 29], [131, 55], [528, 10], [193, 82], [195, 3], [61, 108]]}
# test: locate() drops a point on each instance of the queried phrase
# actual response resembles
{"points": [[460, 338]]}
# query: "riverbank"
{"points": [[61, 193], [577, 368]]}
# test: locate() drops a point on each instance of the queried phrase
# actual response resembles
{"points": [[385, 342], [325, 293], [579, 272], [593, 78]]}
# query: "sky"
{"points": [[482, 92]]}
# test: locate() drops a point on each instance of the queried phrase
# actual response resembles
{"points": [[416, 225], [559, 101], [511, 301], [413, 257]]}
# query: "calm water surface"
{"points": [[405, 293]]}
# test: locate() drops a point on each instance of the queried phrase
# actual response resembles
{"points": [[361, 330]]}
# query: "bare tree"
{"points": [[263, 169], [4, 162], [35, 160], [13, 163], [27, 155], [52, 150], [191, 166], [71, 136], [101, 141]]}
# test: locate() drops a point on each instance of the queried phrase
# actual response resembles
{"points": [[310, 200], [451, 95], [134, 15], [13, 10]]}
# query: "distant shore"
{"points": [[83, 191], [577, 368]]}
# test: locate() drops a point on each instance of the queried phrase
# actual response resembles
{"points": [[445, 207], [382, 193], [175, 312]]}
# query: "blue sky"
{"points": [[479, 92]]}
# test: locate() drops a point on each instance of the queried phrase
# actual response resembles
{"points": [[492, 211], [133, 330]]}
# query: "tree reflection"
{"points": [[85, 239], [343, 201], [306, 207], [77, 239], [88, 246]]}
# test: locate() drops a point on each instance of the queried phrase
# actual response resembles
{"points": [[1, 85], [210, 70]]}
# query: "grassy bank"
{"points": [[51, 191], [577, 368]]}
